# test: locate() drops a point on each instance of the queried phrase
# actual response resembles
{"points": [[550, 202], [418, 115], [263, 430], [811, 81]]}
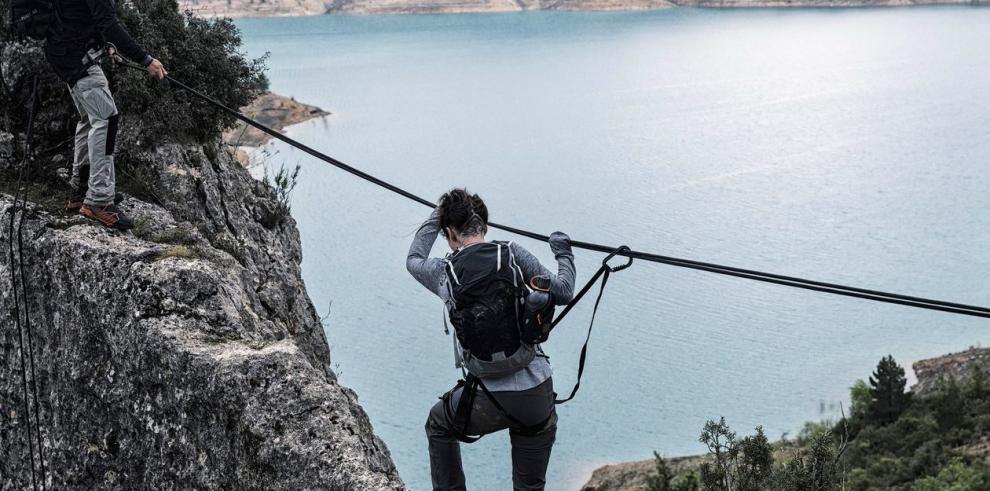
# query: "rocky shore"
{"points": [[269, 8], [272, 110], [632, 476]]}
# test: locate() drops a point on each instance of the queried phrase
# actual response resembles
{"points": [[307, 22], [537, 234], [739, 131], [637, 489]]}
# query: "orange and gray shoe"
{"points": [[109, 215], [76, 197]]}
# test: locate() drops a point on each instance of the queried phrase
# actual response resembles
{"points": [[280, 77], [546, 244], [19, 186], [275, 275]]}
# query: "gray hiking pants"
{"points": [[96, 133], [530, 452]]}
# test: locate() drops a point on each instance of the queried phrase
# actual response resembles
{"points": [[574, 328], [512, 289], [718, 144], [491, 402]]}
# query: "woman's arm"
{"points": [[561, 284], [428, 271]]}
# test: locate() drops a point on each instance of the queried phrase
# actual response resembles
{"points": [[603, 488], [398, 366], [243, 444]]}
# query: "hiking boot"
{"points": [[76, 197], [109, 215]]}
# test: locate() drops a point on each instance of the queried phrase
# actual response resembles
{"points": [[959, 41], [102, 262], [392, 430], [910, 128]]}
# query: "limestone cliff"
{"points": [[184, 355]]}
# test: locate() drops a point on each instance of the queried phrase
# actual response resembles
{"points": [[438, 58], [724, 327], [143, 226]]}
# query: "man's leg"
{"points": [[79, 181], [80, 162], [92, 93]]}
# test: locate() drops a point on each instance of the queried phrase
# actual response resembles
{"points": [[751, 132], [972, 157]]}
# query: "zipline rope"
{"points": [[791, 281]]}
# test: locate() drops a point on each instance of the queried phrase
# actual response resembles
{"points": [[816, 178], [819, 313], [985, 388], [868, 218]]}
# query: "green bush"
{"points": [[957, 476], [900, 444], [202, 53]]}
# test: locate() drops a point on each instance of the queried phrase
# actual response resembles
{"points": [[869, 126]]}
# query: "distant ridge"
{"points": [[274, 8]]}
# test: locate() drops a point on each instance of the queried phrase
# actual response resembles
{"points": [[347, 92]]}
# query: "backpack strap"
{"points": [[517, 271], [451, 274]]}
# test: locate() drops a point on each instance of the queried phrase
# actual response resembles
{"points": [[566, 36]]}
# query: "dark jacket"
{"points": [[82, 25]]}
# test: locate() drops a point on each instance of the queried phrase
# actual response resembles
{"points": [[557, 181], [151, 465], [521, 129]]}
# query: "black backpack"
{"points": [[31, 19], [495, 330]]}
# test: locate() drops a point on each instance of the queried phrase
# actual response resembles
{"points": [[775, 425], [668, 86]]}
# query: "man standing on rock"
{"points": [[87, 30], [508, 382]]}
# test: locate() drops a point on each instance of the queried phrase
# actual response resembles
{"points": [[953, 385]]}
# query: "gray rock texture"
{"points": [[932, 372], [185, 355]]}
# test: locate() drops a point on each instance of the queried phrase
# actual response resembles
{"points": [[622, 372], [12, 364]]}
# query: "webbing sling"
{"points": [[603, 272]]}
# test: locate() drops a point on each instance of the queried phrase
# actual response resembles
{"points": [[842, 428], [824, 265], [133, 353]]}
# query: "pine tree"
{"points": [[887, 386], [661, 481]]}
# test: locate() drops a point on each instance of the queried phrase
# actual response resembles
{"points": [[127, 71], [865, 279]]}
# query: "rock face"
{"points": [[262, 8], [186, 355], [958, 366]]}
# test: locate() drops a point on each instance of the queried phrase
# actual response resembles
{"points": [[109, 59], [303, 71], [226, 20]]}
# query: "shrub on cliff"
{"points": [[202, 53]]}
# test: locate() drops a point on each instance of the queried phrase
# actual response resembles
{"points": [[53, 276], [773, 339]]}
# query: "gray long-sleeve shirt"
{"points": [[430, 273]]}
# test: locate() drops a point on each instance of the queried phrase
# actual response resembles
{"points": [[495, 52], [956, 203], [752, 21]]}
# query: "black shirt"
{"points": [[85, 24]]}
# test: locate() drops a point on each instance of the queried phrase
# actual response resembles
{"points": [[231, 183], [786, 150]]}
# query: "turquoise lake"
{"points": [[850, 146]]}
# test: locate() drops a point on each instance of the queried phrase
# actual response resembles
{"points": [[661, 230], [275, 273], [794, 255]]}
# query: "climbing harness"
{"points": [[791, 281], [21, 295]]}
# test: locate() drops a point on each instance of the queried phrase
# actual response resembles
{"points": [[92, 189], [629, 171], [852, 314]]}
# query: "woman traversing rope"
{"points": [[486, 287]]}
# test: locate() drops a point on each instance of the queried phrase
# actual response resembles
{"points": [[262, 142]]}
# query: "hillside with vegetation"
{"points": [[934, 438]]}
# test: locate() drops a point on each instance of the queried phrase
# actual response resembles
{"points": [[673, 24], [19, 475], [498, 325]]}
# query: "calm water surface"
{"points": [[844, 145]]}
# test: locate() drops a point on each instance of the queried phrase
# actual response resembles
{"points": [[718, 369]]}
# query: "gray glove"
{"points": [[560, 245]]}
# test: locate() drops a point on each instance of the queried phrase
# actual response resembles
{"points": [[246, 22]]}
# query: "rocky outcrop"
{"points": [[185, 355], [272, 110], [632, 476], [958, 366], [263, 8]]}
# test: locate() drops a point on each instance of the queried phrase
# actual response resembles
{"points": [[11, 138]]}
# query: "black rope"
{"points": [[20, 201], [791, 281]]}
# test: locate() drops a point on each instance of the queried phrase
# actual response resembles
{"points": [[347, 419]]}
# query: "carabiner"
{"points": [[614, 253]]}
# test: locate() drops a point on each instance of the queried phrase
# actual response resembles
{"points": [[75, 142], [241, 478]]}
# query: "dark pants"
{"points": [[530, 451]]}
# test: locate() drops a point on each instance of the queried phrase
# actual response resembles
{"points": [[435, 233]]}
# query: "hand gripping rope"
{"points": [[791, 281]]}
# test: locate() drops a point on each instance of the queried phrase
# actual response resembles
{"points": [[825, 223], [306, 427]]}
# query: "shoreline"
{"points": [[361, 8], [926, 374]]}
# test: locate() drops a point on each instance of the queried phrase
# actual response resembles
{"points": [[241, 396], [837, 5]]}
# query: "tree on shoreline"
{"points": [[890, 441], [887, 388]]}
